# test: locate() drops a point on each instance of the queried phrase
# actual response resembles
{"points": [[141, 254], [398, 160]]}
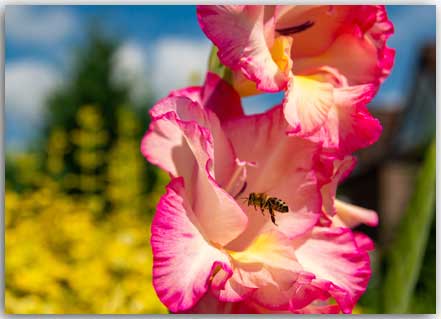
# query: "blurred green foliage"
{"points": [[405, 257], [424, 296], [216, 66], [404, 272], [90, 83], [72, 253], [61, 258]]}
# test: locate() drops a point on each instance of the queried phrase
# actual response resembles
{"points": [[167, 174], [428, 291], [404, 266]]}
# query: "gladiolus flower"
{"points": [[329, 60], [214, 253]]}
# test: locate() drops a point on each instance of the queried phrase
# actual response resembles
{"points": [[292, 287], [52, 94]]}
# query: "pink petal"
{"points": [[285, 168], [215, 94], [350, 126], [341, 169], [186, 149], [267, 265], [221, 98], [235, 290], [304, 203], [301, 293], [342, 268], [239, 33], [327, 21], [373, 21], [211, 305], [169, 140], [349, 215], [364, 242], [183, 260], [357, 48], [307, 103], [185, 102], [319, 309], [347, 127], [165, 145], [352, 56], [193, 93]]}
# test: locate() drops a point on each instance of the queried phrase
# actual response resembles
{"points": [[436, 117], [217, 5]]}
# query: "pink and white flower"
{"points": [[213, 253], [329, 60]]}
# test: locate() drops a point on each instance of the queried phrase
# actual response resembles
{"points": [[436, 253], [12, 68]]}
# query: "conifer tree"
{"points": [[89, 83]]}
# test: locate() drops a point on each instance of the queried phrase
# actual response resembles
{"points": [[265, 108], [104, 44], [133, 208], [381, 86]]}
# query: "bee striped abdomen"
{"points": [[278, 205]]}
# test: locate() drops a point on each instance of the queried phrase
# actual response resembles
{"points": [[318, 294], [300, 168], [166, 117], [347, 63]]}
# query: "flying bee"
{"points": [[263, 201]]}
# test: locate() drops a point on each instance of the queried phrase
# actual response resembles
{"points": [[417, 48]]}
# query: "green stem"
{"points": [[406, 253]]}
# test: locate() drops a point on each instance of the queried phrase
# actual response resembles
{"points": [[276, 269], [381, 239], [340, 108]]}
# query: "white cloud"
{"points": [[29, 24], [27, 84], [130, 68], [178, 62], [169, 64]]}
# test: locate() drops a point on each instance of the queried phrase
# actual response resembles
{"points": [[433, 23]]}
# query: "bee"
{"points": [[263, 201]]}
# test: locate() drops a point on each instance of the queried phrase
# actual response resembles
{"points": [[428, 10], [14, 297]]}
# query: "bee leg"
{"points": [[262, 208], [273, 217]]}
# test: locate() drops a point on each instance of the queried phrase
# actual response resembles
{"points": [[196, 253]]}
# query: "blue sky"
{"points": [[161, 45]]}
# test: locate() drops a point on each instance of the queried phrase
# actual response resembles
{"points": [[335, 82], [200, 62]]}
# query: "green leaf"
{"points": [[406, 253], [424, 295], [216, 66]]}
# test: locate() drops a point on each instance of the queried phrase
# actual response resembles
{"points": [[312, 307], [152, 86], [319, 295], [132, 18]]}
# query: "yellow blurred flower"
{"points": [[61, 259], [79, 242]]}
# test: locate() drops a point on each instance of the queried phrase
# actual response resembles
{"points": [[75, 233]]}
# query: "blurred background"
{"points": [[79, 197]]}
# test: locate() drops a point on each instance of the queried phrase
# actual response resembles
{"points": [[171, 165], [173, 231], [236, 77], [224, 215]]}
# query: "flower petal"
{"points": [[349, 215], [215, 94], [183, 260], [234, 290], [340, 213], [340, 265], [285, 168], [348, 126], [239, 33], [307, 103], [221, 98], [193, 93], [319, 309], [168, 143], [358, 49], [209, 304], [377, 28], [186, 149], [268, 264], [300, 293], [271, 249], [324, 24], [363, 241], [184, 102], [341, 169], [165, 145]]}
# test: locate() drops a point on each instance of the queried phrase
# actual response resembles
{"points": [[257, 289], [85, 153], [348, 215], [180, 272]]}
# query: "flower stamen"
{"points": [[237, 183]]}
